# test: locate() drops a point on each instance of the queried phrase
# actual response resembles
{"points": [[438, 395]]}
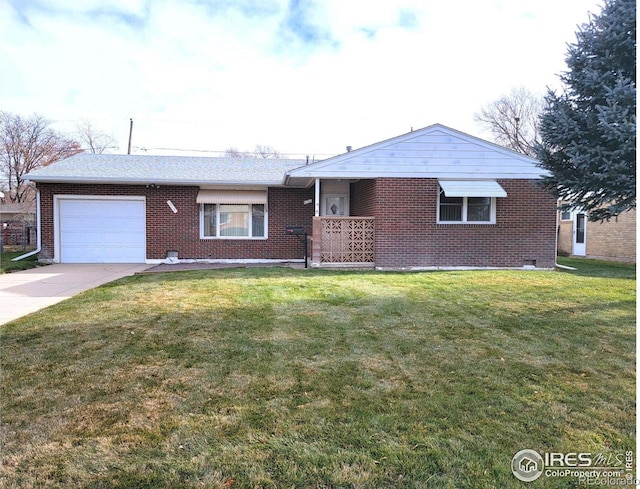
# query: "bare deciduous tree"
{"points": [[260, 151], [513, 120], [263, 151], [94, 140], [233, 152], [27, 144]]}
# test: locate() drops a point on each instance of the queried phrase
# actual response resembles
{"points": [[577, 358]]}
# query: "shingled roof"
{"points": [[180, 170]]}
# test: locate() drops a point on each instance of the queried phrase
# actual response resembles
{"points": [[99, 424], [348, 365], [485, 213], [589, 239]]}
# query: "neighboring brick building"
{"points": [[431, 198], [608, 240]]}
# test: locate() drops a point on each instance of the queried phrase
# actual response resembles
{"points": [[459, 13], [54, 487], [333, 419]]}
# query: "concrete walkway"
{"points": [[22, 293]]}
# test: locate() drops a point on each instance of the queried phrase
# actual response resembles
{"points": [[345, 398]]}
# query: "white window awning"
{"points": [[232, 197], [472, 188]]}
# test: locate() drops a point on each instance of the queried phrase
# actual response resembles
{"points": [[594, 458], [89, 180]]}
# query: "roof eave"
{"points": [[149, 181], [452, 174]]}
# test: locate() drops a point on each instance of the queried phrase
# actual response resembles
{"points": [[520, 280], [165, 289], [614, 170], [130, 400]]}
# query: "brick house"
{"points": [[607, 240], [431, 198]]}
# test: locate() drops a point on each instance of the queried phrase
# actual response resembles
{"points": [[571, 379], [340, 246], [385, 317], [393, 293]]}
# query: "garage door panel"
{"points": [[82, 239], [108, 223], [88, 254], [114, 255], [124, 225], [125, 239], [98, 254], [69, 221], [99, 208], [102, 231]]}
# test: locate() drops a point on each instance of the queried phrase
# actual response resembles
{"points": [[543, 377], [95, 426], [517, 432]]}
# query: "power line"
{"points": [[302, 155], [146, 148]]}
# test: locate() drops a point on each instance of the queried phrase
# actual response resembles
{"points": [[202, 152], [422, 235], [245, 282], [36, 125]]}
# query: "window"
{"points": [[233, 221], [466, 209], [479, 209], [565, 215], [450, 208]]}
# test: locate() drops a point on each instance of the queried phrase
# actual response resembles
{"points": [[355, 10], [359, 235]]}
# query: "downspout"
{"points": [[38, 232]]}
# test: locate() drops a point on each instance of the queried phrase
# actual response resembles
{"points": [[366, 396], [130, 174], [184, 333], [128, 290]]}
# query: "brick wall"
{"points": [[614, 239], [180, 232], [565, 236], [407, 234], [406, 231], [363, 198]]}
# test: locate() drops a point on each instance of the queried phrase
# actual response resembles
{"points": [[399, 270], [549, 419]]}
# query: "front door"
{"points": [[335, 205], [580, 234]]}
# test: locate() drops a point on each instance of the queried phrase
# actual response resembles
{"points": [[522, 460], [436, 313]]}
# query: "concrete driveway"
{"points": [[22, 293]]}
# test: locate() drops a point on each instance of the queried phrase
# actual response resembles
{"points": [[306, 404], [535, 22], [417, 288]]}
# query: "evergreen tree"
{"points": [[588, 133]]}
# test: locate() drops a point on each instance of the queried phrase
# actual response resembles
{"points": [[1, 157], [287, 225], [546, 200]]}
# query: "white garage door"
{"points": [[102, 231]]}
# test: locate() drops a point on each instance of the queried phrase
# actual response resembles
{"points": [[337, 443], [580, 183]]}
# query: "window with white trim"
{"points": [[476, 210], [233, 221]]}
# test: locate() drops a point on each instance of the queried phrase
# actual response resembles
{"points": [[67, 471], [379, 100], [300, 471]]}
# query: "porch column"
{"points": [[317, 199], [316, 242]]}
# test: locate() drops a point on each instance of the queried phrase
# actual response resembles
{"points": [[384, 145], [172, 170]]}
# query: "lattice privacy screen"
{"points": [[347, 240]]}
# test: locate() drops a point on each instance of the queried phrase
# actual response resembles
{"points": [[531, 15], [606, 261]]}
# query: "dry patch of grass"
{"points": [[292, 378]]}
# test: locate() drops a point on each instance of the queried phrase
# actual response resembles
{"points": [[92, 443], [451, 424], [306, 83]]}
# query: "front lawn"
{"points": [[7, 264], [273, 377]]}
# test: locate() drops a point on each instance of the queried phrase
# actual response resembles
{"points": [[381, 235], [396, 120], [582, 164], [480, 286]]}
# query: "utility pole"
{"points": [[130, 132]]}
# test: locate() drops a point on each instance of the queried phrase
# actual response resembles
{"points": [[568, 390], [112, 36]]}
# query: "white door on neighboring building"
{"points": [[579, 233]]}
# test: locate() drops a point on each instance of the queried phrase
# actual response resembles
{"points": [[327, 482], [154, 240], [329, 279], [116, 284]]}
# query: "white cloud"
{"points": [[299, 76]]}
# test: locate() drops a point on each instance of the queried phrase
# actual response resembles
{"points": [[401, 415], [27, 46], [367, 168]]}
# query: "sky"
{"points": [[306, 77]]}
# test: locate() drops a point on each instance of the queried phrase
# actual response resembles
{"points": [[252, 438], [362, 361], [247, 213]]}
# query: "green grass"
{"points": [[309, 378], [598, 268], [8, 266]]}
